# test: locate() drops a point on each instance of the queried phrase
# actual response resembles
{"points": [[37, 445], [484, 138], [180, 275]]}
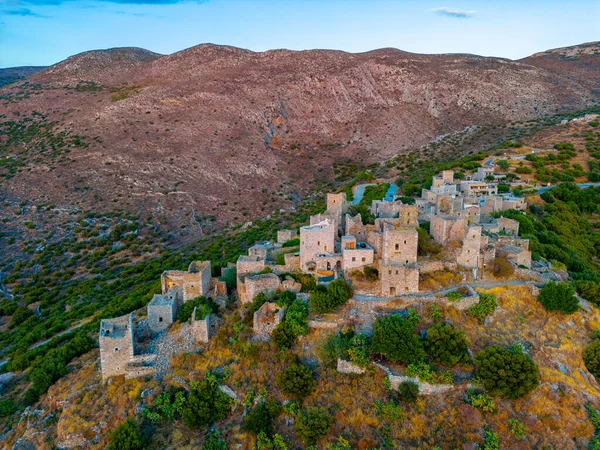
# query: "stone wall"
{"points": [[201, 329], [357, 257], [399, 245], [255, 284], [314, 240], [194, 283], [397, 279], [289, 284], [424, 388], [162, 312], [292, 262], [284, 236], [471, 248], [116, 345], [448, 228], [249, 264], [266, 319], [509, 226], [347, 367]]}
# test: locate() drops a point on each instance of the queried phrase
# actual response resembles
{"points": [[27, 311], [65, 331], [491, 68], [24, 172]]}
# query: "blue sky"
{"points": [[43, 32]]}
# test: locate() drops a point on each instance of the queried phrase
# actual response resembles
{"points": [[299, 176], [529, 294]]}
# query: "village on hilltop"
{"points": [[465, 222]]}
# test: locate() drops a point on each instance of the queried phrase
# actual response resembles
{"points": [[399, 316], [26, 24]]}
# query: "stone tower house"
{"points": [[314, 240], [116, 345]]}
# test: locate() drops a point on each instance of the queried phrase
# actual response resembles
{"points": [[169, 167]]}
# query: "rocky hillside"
{"points": [[12, 74], [224, 134]]}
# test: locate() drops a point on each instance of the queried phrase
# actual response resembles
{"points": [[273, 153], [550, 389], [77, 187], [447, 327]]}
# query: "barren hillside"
{"points": [[184, 137]]}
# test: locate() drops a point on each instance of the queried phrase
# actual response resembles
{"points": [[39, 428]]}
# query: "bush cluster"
{"points": [[326, 299], [394, 337], [559, 297], [296, 380], [294, 324], [446, 344], [508, 372]]}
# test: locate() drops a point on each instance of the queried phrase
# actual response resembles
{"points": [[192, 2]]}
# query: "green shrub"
{"points": [[324, 300], [395, 338], [454, 296], [408, 391], [205, 405], [260, 419], [283, 336], [214, 441], [7, 407], [483, 402], [371, 273], [292, 243], [286, 298], [390, 411], [509, 372], [591, 358], [486, 306], [446, 344], [491, 441], [296, 318], [517, 428], [205, 306], [296, 381], [312, 424], [126, 437], [559, 297]]}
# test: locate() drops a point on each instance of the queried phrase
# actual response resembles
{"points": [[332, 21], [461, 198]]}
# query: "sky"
{"points": [[44, 32]]}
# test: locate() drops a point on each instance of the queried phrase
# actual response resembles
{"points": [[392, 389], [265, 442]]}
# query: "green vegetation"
{"points": [[326, 299], [126, 437], [509, 373], [591, 357], [312, 424], [260, 419], [446, 344], [296, 380], [348, 346], [559, 297], [394, 338], [205, 306], [205, 405], [483, 402], [486, 306], [408, 391], [294, 324]]}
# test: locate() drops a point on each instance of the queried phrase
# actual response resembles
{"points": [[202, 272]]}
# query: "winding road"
{"points": [[581, 185]]}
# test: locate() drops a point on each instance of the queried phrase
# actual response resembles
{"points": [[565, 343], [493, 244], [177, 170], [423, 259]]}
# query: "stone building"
{"points": [[355, 254], [284, 236], [471, 212], [470, 253], [399, 245], [508, 226], [316, 239], [266, 319], [261, 249], [398, 279], [267, 283], [162, 310], [204, 329], [193, 283], [445, 229], [249, 264], [116, 345]]}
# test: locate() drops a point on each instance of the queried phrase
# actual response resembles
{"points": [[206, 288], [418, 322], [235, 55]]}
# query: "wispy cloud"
{"points": [[456, 13], [23, 12]]}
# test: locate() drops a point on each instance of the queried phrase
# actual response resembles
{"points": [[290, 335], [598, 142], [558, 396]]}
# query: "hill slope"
{"points": [[181, 136]]}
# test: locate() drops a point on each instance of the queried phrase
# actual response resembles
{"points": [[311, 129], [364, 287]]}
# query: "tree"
{"points": [[408, 391], [126, 437], [591, 358], [559, 297], [324, 300], [296, 381], [260, 419], [312, 424], [283, 336], [509, 373], [446, 344], [205, 405], [395, 338], [503, 164]]}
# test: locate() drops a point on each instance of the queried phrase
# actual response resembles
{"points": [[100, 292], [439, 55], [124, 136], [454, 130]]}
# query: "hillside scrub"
{"points": [[509, 373], [326, 299], [296, 380], [395, 338], [559, 297], [446, 344]]}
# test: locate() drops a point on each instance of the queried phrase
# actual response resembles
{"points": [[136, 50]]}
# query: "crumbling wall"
{"points": [[255, 284], [266, 319]]}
